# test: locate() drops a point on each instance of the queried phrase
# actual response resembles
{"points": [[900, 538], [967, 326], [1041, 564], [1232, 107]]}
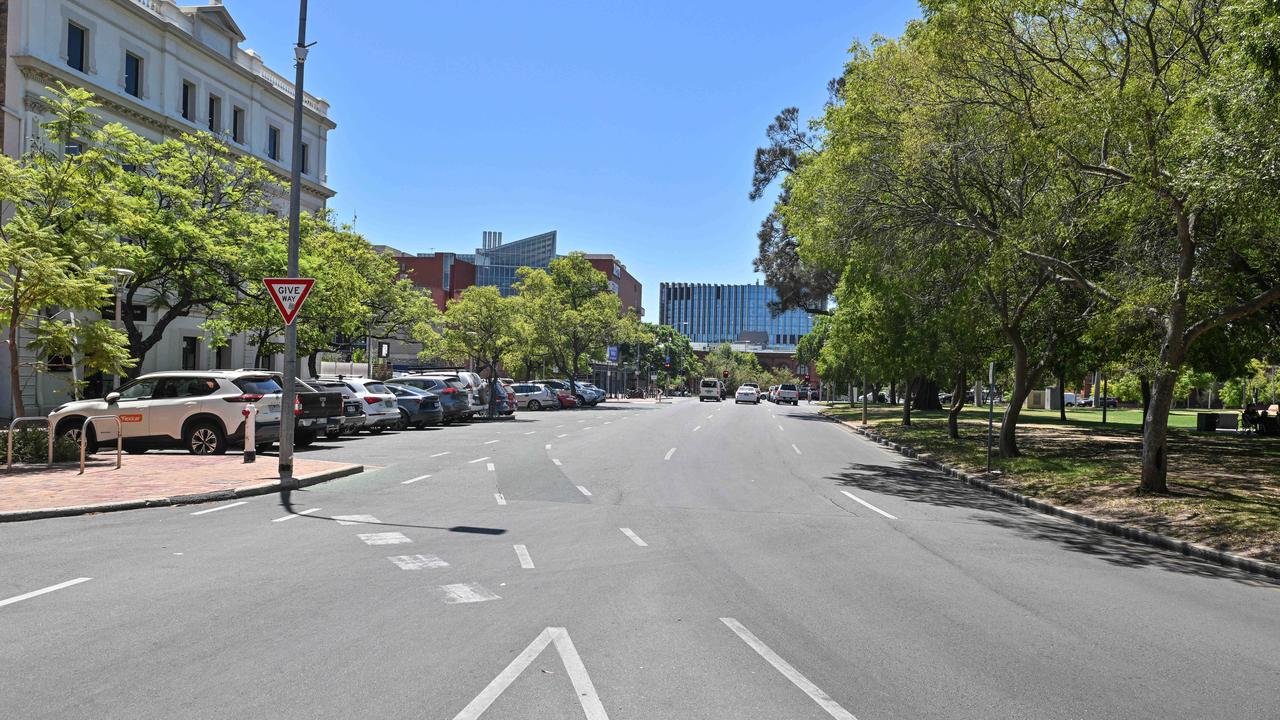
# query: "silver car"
{"points": [[532, 396]]}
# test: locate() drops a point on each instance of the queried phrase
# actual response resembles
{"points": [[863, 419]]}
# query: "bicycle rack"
{"points": [[84, 434], [49, 430]]}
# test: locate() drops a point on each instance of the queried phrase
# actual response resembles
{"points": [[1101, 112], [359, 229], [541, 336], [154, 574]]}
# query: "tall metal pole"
{"points": [[991, 410], [295, 201]]}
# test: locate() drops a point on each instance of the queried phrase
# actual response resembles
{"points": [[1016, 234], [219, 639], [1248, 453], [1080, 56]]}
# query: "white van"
{"points": [[710, 390]]}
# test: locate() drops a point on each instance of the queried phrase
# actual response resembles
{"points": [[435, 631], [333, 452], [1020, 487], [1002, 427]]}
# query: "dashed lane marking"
{"points": [[793, 447], [531, 432], [522, 552], [502, 500], [386, 538], [634, 537], [290, 517], [815, 693], [411, 481], [562, 435], [42, 591], [670, 452], [446, 452], [490, 442], [472, 462], [356, 519], [866, 504], [547, 446], [696, 429], [220, 507], [584, 491], [466, 593], [418, 562], [781, 428]]}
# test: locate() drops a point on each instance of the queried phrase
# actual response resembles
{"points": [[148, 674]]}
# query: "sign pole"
{"points": [[295, 201], [991, 410]]}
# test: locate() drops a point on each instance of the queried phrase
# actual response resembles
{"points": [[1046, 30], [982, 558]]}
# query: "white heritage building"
{"points": [[162, 69]]}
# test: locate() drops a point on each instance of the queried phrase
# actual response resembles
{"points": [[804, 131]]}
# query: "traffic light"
{"points": [[724, 374], [806, 378]]}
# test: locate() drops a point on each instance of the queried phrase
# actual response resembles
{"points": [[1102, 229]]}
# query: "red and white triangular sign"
{"points": [[288, 295]]}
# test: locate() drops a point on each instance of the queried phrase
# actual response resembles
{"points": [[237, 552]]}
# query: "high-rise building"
{"points": [[496, 263], [713, 314]]}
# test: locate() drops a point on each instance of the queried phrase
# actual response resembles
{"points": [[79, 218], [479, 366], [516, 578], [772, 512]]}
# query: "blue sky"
{"points": [[629, 127]]}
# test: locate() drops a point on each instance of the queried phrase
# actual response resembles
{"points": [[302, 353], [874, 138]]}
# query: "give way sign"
{"points": [[288, 295]]}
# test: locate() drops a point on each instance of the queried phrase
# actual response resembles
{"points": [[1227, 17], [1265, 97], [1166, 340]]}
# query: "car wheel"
{"points": [[204, 438], [304, 437], [535, 405], [333, 434], [403, 422], [376, 430], [70, 429]]}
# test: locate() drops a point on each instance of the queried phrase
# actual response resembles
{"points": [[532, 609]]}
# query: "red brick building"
{"points": [[443, 273], [621, 282]]}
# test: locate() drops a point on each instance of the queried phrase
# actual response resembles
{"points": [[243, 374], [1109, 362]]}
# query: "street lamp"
{"points": [[118, 273]]}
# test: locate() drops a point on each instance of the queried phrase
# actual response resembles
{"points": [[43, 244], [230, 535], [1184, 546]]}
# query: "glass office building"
{"points": [[496, 263], [730, 313]]}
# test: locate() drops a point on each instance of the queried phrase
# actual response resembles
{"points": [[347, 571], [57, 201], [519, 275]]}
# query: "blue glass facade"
{"points": [[496, 264], [730, 313]]}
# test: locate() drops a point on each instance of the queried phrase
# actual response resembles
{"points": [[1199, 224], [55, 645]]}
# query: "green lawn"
{"points": [[1121, 416]]}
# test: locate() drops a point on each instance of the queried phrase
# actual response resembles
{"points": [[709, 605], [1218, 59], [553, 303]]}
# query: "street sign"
{"points": [[288, 294], [653, 376], [384, 350]]}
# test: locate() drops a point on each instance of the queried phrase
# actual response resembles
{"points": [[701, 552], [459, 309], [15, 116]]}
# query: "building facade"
{"points": [[163, 70], [496, 263], [714, 314]]}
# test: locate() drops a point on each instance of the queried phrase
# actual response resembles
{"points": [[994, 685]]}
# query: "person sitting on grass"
{"points": [[1250, 418]]}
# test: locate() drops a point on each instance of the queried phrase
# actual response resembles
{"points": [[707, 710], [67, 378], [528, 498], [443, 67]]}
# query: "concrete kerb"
{"points": [[215, 496], [1128, 532]]}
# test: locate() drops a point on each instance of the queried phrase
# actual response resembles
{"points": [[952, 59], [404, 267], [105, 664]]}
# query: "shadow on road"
{"points": [[917, 483], [286, 501]]}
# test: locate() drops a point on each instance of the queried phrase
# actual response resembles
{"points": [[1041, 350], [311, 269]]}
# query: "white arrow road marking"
{"points": [[411, 481], [813, 691], [634, 537], [670, 452], [290, 517], [418, 562], [42, 591], [584, 491], [466, 593], [355, 519], [522, 552], [386, 538], [220, 507], [864, 503], [499, 497], [573, 664]]}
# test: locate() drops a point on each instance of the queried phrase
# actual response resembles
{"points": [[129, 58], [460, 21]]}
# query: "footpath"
{"points": [[151, 480]]}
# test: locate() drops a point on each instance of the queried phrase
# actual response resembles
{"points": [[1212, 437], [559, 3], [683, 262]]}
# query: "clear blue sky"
{"points": [[628, 127]]}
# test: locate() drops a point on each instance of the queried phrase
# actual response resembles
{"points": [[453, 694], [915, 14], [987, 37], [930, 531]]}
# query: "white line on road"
{"points": [[418, 562], [531, 432], [573, 665], [472, 462], [813, 691], [589, 427], [446, 452], [356, 519], [793, 447], [583, 420], [555, 460], [490, 442], [466, 593], [670, 452], [696, 429], [410, 481], [562, 435], [290, 517], [502, 500], [42, 591], [608, 422], [634, 537], [584, 491], [522, 552], [490, 466], [547, 446], [782, 428], [220, 507], [710, 416], [859, 500], [386, 538]]}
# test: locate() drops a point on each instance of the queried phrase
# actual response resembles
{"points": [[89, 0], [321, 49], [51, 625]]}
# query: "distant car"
{"points": [[380, 404], [507, 406], [747, 394], [598, 391], [1098, 402], [200, 411], [581, 395], [449, 389], [532, 396], [566, 399], [418, 408], [710, 389], [787, 393]]}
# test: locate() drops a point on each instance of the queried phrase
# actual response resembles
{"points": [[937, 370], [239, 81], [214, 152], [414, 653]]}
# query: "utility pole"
{"points": [[287, 398]]}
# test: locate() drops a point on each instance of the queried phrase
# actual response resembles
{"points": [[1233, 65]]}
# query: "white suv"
{"points": [[200, 410], [380, 406]]}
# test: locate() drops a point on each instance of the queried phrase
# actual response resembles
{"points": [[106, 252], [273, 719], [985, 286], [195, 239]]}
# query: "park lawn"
{"points": [[1224, 488]]}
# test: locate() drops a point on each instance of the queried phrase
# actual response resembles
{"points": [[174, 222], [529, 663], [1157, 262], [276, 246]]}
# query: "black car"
{"points": [[451, 393], [418, 407]]}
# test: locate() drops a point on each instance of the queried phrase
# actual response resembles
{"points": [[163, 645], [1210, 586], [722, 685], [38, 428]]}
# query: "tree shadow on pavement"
{"points": [[917, 483]]}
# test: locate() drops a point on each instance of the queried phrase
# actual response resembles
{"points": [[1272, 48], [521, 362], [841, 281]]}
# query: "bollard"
{"points": [[250, 413]]}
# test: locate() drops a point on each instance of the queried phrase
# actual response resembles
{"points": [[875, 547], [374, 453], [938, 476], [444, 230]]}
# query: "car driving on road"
{"points": [[710, 389], [787, 393], [747, 394]]}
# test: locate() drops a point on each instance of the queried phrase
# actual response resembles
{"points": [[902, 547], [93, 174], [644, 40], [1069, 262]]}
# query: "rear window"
{"points": [[257, 385], [788, 387], [377, 388], [710, 383]]}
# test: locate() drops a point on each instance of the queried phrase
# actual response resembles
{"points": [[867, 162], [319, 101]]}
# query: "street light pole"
{"points": [[287, 398]]}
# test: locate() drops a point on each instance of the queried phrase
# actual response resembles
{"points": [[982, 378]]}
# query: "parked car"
{"points": [[566, 399], [600, 393], [315, 410], [353, 415], [1099, 402], [418, 408], [449, 389], [787, 393], [380, 405], [532, 396], [580, 395], [710, 389], [510, 396], [197, 410], [747, 393], [477, 387]]}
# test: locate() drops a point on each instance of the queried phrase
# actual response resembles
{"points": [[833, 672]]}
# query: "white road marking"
{"points": [[446, 452], [472, 462], [608, 422], [356, 519], [466, 593], [555, 460], [589, 427], [490, 442], [670, 452], [634, 537], [587, 696], [500, 498], [220, 507], [710, 416], [793, 447], [386, 538], [290, 517], [815, 693], [42, 591], [522, 552], [859, 500], [559, 426], [582, 420], [410, 481], [531, 432], [490, 466], [782, 428], [562, 435], [547, 446], [584, 491], [696, 429], [418, 562]]}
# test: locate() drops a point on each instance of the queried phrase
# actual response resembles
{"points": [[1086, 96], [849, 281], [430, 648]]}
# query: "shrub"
{"points": [[31, 445]]}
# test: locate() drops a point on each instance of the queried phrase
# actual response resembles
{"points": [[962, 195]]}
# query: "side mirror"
{"points": [[112, 397]]}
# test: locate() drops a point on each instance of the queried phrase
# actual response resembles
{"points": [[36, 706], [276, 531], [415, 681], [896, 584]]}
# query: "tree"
{"points": [[478, 326], [60, 204]]}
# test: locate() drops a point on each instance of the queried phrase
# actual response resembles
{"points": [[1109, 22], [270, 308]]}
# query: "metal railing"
{"points": [[12, 425], [84, 435]]}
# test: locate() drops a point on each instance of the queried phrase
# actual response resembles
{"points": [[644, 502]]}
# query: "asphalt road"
{"points": [[631, 561]]}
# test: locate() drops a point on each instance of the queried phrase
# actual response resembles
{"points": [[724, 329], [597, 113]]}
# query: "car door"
{"points": [[134, 410], [175, 400]]}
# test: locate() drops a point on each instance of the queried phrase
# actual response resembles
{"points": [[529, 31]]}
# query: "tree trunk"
{"points": [[893, 392], [908, 389], [311, 364], [1146, 400], [1022, 380], [957, 403], [15, 377], [1155, 435], [1062, 395], [925, 395]]}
